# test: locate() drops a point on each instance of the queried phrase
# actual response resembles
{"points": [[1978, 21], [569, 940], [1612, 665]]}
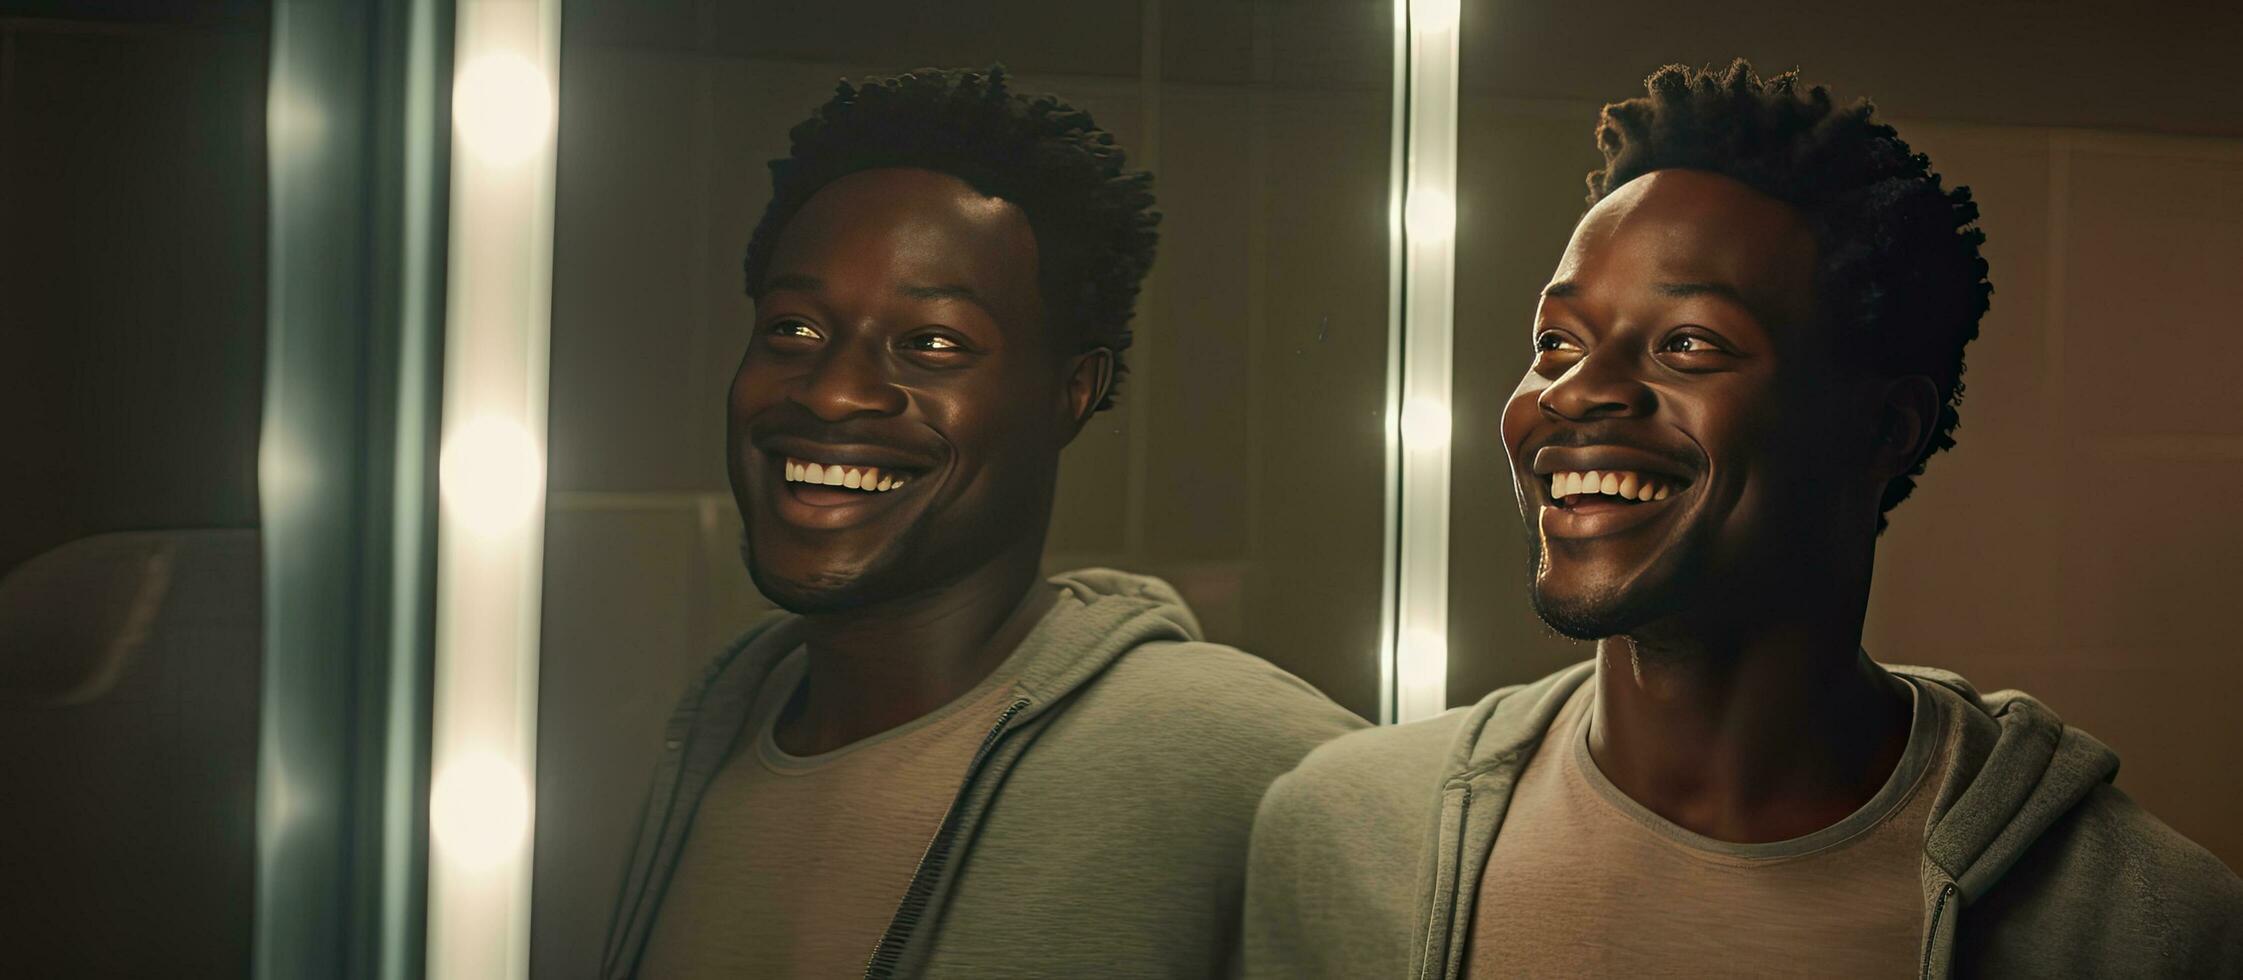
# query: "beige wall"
{"points": [[2076, 544]]}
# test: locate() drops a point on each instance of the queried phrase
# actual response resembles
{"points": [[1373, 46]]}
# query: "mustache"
{"points": [[1583, 435]]}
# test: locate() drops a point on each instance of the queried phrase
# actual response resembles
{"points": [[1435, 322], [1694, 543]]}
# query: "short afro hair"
{"points": [[1093, 220], [1899, 265]]}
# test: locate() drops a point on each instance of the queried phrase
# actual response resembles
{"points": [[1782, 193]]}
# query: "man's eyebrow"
{"points": [[1560, 289], [1684, 290], [794, 281], [948, 290]]}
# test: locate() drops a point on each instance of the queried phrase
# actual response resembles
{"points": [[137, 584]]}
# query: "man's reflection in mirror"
{"points": [[937, 760], [1752, 344]]}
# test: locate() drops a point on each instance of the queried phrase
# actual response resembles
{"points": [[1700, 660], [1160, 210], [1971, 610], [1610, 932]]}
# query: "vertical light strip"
{"points": [[490, 535], [1428, 305]]}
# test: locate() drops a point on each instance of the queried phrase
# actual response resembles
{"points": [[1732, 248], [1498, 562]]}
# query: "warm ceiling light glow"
{"points": [[1430, 217], [1433, 16], [492, 475], [1425, 425], [479, 810], [502, 108]]}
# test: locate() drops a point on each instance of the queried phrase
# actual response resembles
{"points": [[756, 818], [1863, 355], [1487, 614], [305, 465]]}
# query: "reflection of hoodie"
{"points": [[1101, 828], [1366, 859]]}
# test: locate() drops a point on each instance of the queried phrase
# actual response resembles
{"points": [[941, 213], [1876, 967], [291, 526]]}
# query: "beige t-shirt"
{"points": [[796, 864], [1585, 881]]}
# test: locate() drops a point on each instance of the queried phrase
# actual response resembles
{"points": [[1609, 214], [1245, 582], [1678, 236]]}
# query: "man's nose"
{"points": [[849, 381], [1604, 383]]}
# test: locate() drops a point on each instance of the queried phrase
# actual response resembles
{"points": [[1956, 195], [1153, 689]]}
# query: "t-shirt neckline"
{"points": [[1899, 788]]}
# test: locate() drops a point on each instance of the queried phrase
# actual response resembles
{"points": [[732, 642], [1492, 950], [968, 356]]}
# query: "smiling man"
{"points": [[938, 762], [1750, 347]]}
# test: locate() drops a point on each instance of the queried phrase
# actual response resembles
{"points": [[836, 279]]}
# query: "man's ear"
{"points": [[1907, 411], [1090, 375]]}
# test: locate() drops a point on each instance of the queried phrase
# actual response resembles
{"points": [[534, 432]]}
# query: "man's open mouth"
{"points": [[1575, 488]]}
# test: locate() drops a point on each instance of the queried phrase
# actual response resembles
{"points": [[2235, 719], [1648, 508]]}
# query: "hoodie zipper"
{"points": [[889, 951], [1931, 934], [1444, 903]]}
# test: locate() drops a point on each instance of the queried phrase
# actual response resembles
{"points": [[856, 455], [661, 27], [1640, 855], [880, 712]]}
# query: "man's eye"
{"points": [[1689, 344], [792, 328], [934, 342], [1551, 340]]}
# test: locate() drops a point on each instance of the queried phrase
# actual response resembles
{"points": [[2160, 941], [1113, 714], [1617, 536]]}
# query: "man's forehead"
{"points": [[919, 226], [1681, 233]]}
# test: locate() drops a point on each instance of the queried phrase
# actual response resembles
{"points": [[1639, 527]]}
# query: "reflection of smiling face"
{"points": [[1673, 443], [897, 418]]}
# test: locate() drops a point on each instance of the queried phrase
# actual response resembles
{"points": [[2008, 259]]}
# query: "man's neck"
{"points": [[876, 667], [1749, 737]]}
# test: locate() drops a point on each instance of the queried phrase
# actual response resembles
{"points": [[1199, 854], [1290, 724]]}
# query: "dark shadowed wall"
{"points": [[132, 332]]}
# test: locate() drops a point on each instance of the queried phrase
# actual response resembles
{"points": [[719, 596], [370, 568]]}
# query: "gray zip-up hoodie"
{"points": [[1366, 859], [1101, 828]]}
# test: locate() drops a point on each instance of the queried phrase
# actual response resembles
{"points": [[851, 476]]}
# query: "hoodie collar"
{"points": [[2016, 770], [1101, 614]]}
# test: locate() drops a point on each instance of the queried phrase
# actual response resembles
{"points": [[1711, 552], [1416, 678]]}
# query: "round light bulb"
{"points": [[502, 108], [1425, 424], [492, 475], [1430, 217], [479, 811]]}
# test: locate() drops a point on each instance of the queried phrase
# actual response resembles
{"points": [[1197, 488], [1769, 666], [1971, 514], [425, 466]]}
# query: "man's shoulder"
{"points": [[1375, 762], [2122, 851], [1405, 765], [1191, 687], [1205, 709], [2109, 876]]}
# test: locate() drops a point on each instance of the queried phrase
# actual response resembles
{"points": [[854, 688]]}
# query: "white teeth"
{"points": [[1616, 483], [866, 478]]}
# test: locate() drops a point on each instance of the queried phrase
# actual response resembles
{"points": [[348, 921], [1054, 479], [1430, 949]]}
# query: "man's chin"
{"points": [[1585, 611], [1580, 618], [813, 595], [814, 588]]}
